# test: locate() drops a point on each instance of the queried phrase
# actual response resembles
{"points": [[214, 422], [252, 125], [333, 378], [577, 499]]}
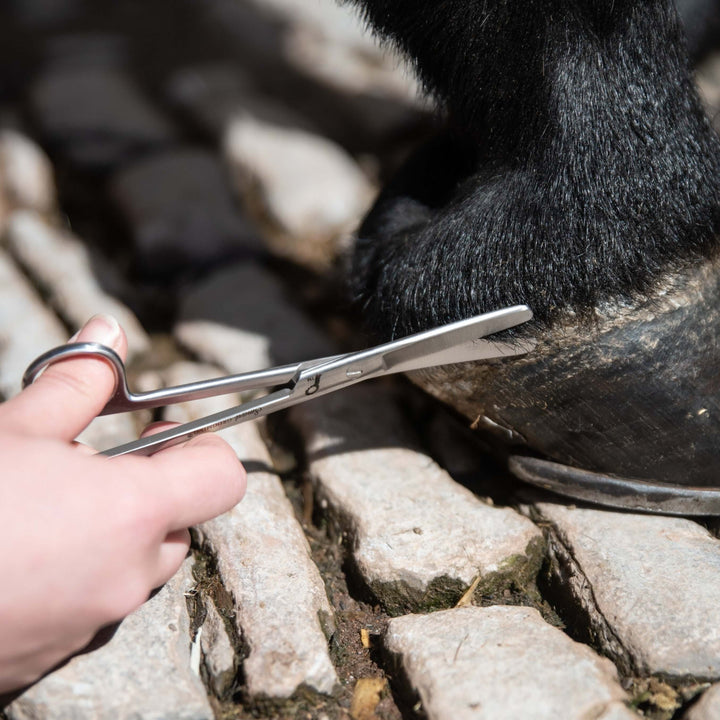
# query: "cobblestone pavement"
{"points": [[195, 168]]}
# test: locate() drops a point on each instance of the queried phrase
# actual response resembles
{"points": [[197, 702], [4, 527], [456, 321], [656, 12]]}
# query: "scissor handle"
{"points": [[72, 350], [123, 400]]}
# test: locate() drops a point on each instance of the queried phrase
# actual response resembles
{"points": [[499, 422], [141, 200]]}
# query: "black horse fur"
{"points": [[577, 165], [576, 173]]}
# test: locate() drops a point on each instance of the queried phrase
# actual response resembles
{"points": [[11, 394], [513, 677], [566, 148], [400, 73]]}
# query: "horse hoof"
{"points": [[632, 393]]}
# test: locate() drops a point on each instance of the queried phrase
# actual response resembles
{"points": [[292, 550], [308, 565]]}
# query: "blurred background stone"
{"points": [[179, 210]]}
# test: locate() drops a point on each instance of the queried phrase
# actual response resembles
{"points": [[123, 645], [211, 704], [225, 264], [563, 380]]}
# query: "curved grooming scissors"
{"points": [[454, 343]]}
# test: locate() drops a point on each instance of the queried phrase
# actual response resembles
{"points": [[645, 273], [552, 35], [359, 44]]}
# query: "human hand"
{"points": [[87, 538]]}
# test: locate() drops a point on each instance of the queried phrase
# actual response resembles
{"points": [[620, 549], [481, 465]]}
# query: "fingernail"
{"points": [[103, 329]]}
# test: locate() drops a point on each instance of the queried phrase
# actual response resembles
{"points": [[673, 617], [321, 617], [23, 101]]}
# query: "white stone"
{"points": [[309, 186], [650, 585], [218, 653], [27, 327], [503, 663], [27, 175], [707, 707], [418, 538], [263, 559], [61, 265], [142, 673], [330, 41]]}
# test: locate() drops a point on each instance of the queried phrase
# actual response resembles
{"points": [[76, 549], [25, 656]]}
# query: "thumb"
{"points": [[69, 393]]}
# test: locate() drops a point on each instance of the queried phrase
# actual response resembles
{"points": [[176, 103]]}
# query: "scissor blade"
{"points": [[251, 410], [460, 342]]}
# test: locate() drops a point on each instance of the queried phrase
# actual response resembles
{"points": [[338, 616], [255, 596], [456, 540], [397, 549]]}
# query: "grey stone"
{"points": [[325, 68], [649, 585], [76, 51], [331, 42], [26, 174], [142, 673], [180, 210], [61, 265], [96, 117], [27, 327], [308, 186], [37, 13], [707, 707], [219, 656], [257, 328], [214, 95], [502, 663], [263, 559], [418, 538]]}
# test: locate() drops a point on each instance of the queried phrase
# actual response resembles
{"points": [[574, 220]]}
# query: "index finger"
{"points": [[194, 482]]}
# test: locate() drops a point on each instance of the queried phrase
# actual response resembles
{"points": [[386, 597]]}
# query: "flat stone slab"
{"points": [[142, 673], [213, 95], [61, 265], [331, 42], [181, 212], [707, 707], [502, 663], [96, 116], [418, 539], [282, 612], [27, 327], [309, 186], [649, 585], [26, 173], [258, 328], [219, 657]]}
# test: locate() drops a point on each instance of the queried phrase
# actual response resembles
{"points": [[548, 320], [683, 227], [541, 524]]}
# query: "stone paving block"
{"points": [[358, 94], [308, 185], [95, 116], [180, 210], [330, 41], [707, 707], [26, 174], [258, 328], [213, 95], [502, 663], [219, 656], [418, 539], [143, 673], [40, 13], [649, 585], [263, 559], [27, 327], [61, 265]]}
